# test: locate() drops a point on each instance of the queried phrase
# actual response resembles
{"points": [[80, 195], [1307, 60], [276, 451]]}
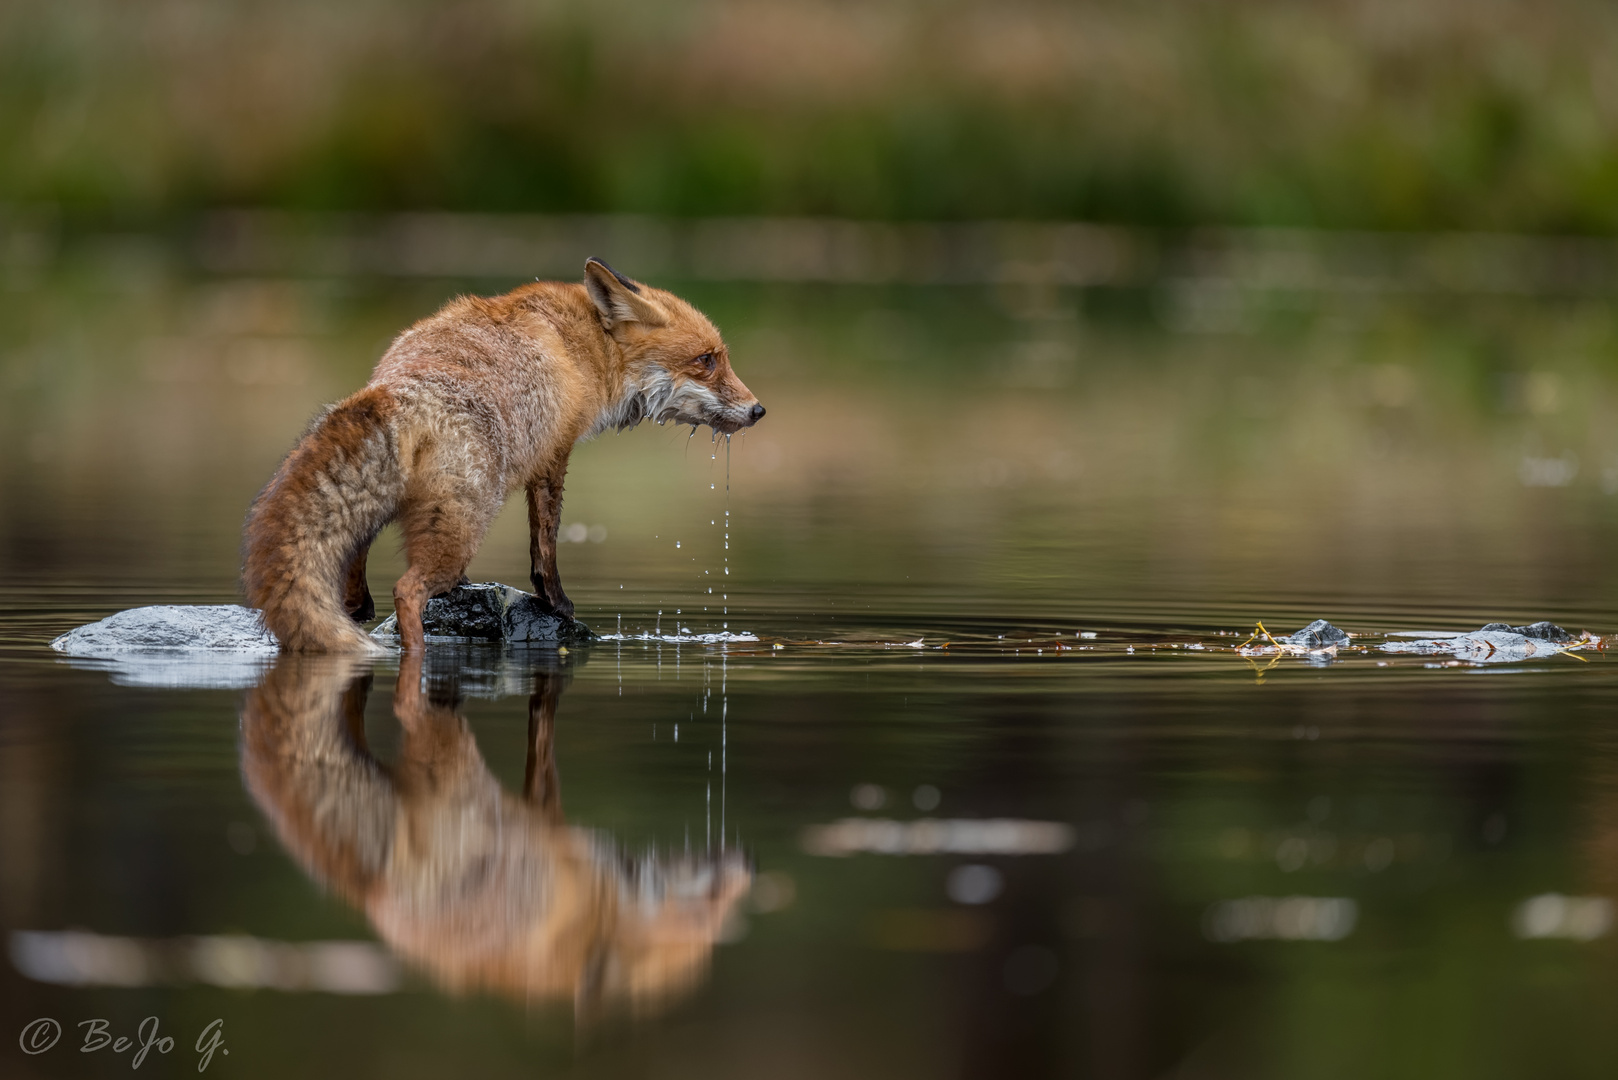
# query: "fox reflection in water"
{"points": [[481, 888]]}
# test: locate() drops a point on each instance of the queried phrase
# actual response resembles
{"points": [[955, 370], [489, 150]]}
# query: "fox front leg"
{"points": [[544, 514]]}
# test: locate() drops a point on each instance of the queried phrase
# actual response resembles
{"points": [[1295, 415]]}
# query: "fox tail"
{"points": [[331, 496]]}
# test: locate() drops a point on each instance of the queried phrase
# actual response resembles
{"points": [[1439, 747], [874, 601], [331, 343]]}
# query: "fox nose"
{"points": [[756, 413]]}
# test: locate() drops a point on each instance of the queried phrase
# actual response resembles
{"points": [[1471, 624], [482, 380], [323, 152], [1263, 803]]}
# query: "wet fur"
{"points": [[487, 396]]}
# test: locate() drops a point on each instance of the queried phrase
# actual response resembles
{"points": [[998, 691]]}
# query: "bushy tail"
{"points": [[330, 497]]}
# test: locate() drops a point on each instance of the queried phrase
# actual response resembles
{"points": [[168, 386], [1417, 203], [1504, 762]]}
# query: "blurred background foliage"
{"points": [[1382, 114]]}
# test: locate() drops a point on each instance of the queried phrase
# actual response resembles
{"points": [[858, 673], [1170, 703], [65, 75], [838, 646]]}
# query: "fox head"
{"points": [[676, 366]]}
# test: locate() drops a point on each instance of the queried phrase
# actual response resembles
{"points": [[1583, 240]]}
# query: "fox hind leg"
{"points": [[440, 541], [357, 600]]}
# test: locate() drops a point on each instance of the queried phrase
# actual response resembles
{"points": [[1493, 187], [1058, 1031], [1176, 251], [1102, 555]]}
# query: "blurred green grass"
{"points": [[1350, 113]]}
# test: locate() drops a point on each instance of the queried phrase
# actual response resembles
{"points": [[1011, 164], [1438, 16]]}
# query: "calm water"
{"points": [[669, 858]]}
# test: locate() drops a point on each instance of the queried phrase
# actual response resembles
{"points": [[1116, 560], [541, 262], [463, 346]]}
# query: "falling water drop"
{"points": [[726, 609]]}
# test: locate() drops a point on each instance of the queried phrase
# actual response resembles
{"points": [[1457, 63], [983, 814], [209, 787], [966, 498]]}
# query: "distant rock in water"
{"points": [[1539, 631], [1496, 643], [168, 627], [492, 612], [1319, 634]]}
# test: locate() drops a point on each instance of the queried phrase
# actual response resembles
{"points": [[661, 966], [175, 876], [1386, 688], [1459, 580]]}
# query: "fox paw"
{"points": [[561, 606]]}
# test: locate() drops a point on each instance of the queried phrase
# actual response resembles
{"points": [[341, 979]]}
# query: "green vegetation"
{"points": [[1354, 113]]}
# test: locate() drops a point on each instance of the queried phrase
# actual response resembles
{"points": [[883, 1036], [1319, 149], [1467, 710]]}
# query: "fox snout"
{"points": [[735, 418], [743, 405], [733, 405], [749, 415]]}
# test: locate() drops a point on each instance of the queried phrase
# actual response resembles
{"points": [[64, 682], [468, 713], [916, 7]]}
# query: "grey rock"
{"points": [[489, 611], [1539, 631], [192, 646], [1485, 646], [1319, 634], [172, 627]]}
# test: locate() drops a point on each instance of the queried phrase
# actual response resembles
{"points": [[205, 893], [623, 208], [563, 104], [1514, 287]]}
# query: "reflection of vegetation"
{"points": [[1356, 112]]}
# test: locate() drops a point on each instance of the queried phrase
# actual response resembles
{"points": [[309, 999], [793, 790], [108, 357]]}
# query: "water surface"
{"points": [[922, 825]]}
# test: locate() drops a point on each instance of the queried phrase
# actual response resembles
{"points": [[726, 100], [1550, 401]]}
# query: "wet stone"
{"points": [[489, 611], [1539, 631], [228, 628], [1319, 634], [202, 646], [1495, 643]]}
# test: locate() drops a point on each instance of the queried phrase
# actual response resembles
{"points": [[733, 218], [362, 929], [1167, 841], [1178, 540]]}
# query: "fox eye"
{"points": [[706, 360]]}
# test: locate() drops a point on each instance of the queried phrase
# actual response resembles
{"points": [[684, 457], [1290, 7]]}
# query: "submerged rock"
{"points": [[225, 646], [490, 611], [1495, 643], [1319, 634], [1540, 631], [169, 628], [173, 646], [1315, 644]]}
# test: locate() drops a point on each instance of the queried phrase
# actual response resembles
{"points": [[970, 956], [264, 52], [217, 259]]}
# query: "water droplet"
{"points": [[676, 543]]}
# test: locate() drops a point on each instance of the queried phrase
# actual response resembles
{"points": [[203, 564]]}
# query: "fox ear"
{"points": [[618, 298]]}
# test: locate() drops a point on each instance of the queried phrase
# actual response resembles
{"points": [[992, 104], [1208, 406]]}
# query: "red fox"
{"points": [[488, 395]]}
